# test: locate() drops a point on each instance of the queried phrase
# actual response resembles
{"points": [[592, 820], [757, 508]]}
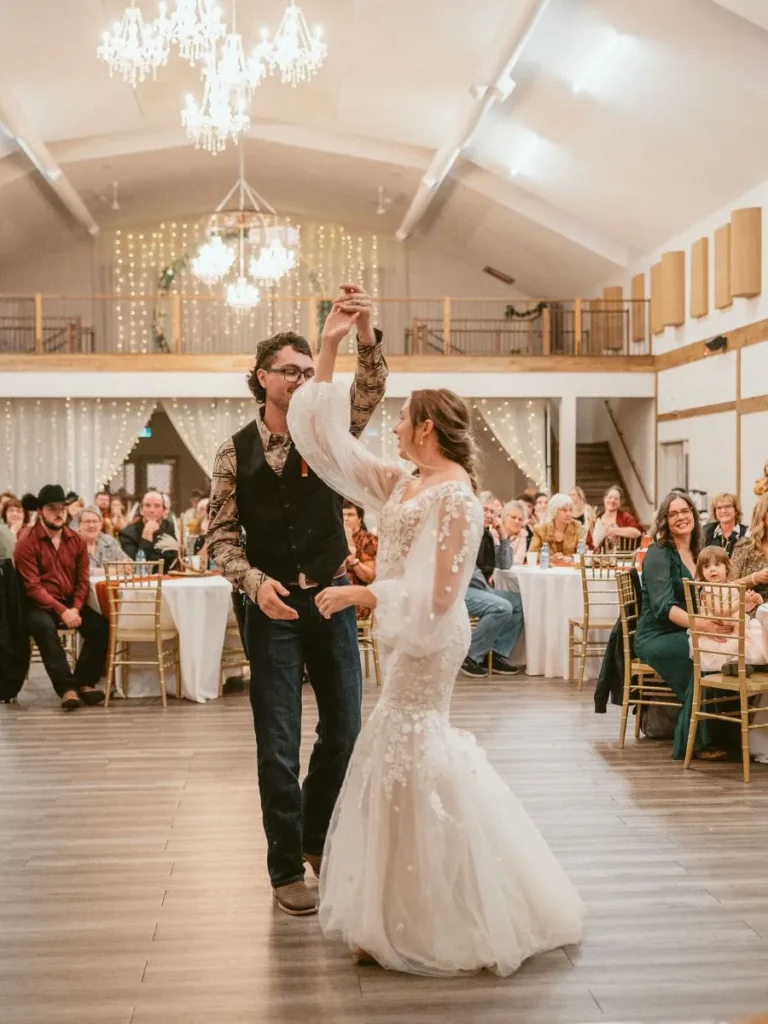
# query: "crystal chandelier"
{"points": [[213, 261], [134, 48], [296, 53], [230, 80], [273, 261], [195, 27], [242, 294]]}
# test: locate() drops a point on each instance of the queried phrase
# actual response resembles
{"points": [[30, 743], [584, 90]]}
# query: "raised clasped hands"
{"points": [[351, 308]]}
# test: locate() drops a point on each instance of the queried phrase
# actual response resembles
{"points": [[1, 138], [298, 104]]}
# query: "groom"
{"points": [[277, 533]]}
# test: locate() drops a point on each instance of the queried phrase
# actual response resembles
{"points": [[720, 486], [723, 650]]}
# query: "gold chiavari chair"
{"points": [[232, 654], [135, 616], [598, 589], [642, 686], [708, 604], [366, 643], [619, 545], [68, 638]]}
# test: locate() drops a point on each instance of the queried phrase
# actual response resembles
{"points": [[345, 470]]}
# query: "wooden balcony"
{"points": [[173, 331]]}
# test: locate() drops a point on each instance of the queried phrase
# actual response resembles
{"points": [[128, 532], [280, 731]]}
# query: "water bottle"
{"points": [[141, 560], [545, 556], [581, 549]]}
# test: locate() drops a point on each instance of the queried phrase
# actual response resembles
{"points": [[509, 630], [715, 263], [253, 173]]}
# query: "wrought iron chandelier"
{"points": [[251, 236]]}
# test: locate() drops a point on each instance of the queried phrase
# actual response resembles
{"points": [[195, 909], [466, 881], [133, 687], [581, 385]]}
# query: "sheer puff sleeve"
{"points": [[319, 424], [414, 611]]}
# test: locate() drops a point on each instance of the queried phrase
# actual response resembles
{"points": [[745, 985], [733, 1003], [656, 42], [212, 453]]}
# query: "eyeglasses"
{"points": [[672, 517], [724, 508], [292, 374]]}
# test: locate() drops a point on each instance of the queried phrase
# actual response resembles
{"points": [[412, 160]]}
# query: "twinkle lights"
{"points": [[296, 53], [517, 428]]}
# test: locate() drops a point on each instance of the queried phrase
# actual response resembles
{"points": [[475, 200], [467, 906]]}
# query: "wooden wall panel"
{"points": [[746, 251], [613, 303], [657, 321], [700, 278], [673, 289], [638, 307], [723, 295]]}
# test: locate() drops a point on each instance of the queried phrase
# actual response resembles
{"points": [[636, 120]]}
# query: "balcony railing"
{"points": [[204, 324]]}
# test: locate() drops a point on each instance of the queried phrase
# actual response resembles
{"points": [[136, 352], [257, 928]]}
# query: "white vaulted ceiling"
{"points": [[667, 129]]}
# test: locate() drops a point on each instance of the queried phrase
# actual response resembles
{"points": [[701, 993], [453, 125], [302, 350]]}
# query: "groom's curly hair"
{"points": [[265, 356]]}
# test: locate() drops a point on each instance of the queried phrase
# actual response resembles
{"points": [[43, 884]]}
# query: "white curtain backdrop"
{"points": [[78, 443], [204, 424], [518, 425]]}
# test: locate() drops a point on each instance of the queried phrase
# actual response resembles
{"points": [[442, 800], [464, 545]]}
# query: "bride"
{"points": [[431, 865]]}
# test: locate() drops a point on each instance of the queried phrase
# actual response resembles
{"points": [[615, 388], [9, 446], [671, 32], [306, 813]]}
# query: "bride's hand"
{"points": [[336, 599]]}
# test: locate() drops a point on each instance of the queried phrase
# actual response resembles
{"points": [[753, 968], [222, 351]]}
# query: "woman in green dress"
{"points": [[661, 640]]}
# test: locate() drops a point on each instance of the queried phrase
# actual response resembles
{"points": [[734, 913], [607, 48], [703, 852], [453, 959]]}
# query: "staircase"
{"points": [[596, 471]]}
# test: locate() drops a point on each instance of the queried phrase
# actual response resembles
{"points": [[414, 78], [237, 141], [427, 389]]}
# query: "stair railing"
{"points": [[631, 461]]}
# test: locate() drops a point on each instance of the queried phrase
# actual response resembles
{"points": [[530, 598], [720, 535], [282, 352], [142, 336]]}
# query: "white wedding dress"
{"points": [[431, 864]]}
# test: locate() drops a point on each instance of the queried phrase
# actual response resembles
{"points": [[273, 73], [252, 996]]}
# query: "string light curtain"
{"points": [[518, 426], [204, 424], [78, 443]]}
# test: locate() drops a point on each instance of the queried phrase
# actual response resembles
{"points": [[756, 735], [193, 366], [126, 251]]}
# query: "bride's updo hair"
{"points": [[452, 419]]}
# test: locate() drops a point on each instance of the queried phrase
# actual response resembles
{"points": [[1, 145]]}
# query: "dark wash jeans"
{"points": [[296, 816]]}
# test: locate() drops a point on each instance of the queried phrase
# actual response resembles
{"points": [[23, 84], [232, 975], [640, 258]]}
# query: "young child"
{"points": [[714, 566]]}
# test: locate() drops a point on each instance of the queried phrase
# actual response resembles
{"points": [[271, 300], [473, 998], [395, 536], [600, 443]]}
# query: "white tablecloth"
{"points": [[550, 598], [198, 607]]}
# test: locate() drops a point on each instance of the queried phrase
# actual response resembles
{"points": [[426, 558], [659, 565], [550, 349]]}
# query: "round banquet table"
{"points": [[198, 608], [550, 598]]}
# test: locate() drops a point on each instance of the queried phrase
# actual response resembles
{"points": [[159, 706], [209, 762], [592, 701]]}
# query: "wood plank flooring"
{"points": [[134, 889]]}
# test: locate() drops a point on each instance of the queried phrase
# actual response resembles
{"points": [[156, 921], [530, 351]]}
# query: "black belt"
{"points": [[305, 583]]}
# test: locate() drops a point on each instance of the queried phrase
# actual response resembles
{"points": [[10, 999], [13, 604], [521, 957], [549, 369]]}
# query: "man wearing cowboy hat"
{"points": [[54, 566]]}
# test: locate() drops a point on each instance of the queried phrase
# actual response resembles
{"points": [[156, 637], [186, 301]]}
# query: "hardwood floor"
{"points": [[134, 889]]}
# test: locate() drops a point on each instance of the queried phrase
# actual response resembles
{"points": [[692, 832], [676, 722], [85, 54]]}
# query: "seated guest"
{"points": [[500, 612], [540, 509], [151, 533], [5, 497], [612, 522], [582, 512], [101, 547], [7, 542], [750, 556], [75, 506], [53, 563], [662, 631], [761, 485], [15, 517], [363, 548], [559, 532], [117, 519], [513, 517], [169, 514], [725, 527], [190, 515], [202, 522]]}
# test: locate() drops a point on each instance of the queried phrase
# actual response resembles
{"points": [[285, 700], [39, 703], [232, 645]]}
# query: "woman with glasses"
{"points": [[661, 640], [725, 528]]}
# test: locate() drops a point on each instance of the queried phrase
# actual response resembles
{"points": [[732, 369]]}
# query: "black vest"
{"points": [[293, 522]]}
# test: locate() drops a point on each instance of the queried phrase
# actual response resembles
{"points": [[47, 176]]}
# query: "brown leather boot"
{"points": [[295, 899], [315, 861]]}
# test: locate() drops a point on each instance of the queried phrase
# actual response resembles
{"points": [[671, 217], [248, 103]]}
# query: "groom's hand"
{"points": [[268, 599], [351, 307]]}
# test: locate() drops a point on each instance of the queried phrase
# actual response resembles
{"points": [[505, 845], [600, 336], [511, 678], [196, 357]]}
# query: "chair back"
{"points": [[598, 586], [622, 545], [135, 602], [709, 605], [629, 613]]}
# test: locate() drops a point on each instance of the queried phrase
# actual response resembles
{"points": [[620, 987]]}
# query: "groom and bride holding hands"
{"points": [[427, 863]]}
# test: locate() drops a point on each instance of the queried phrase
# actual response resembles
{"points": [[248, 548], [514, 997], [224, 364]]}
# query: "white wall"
{"points": [[711, 446], [754, 455], [707, 382]]}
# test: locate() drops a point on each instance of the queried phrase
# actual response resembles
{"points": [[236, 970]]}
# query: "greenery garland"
{"points": [[511, 313]]}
